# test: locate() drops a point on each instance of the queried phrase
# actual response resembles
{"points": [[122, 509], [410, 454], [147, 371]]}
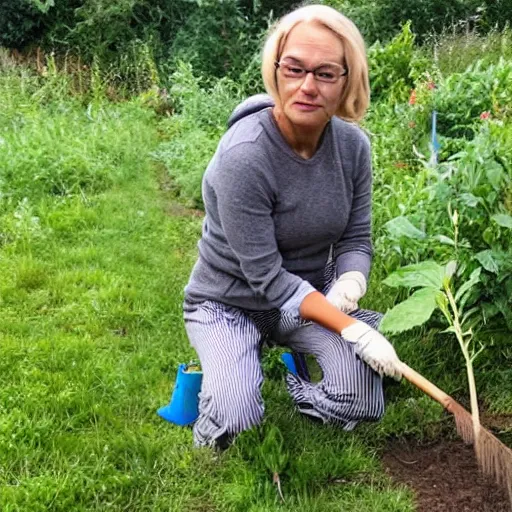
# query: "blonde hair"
{"points": [[355, 97]]}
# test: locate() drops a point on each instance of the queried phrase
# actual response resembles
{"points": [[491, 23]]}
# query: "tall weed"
{"points": [[454, 52]]}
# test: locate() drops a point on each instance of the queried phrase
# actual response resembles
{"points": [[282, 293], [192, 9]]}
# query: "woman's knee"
{"points": [[244, 409], [236, 404], [329, 349], [367, 403]]}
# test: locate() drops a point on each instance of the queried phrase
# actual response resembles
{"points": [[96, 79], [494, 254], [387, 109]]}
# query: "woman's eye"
{"points": [[326, 75], [295, 71]]}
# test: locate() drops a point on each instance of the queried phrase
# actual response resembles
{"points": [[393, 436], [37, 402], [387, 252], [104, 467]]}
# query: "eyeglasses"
{"points": [[328, 73]]}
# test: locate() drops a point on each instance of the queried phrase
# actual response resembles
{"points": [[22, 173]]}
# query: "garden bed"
{"points": [[444, 476]]}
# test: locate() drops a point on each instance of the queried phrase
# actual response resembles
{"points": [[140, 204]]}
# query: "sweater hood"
{"points": [[250, 106]]}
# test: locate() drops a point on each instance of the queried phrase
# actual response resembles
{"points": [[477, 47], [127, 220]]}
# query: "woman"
{"points": [[288, 205]]}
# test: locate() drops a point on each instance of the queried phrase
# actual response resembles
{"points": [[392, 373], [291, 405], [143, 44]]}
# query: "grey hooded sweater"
{"points": [[273, 217]]}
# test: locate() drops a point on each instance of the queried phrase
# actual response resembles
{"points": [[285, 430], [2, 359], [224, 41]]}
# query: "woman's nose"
{"points": [[309, 84]]}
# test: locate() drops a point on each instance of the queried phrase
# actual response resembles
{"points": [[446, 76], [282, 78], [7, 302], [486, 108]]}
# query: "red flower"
{"points": [[485, 115], [412, 98], [431, 85]]}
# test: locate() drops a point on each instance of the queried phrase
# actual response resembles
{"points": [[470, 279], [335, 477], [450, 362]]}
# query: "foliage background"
{"points": [[109, 114]]}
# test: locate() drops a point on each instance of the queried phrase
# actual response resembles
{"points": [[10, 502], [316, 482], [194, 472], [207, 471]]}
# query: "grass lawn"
{"points": [[91, 334]]}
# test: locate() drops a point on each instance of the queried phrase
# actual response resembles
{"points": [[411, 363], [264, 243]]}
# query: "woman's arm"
{"points": [[373, 348], [316, 308], [353, 251], [244, 192]]}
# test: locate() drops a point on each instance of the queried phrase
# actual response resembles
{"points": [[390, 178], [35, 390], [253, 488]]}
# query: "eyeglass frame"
{"points": [[278, 64]]}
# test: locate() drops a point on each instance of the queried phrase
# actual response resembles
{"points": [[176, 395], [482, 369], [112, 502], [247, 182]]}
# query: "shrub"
{"points": [[216, 40], [379, 20], [393, 67], [460, 99], [466, 214], [21, 22], [194, 131]]}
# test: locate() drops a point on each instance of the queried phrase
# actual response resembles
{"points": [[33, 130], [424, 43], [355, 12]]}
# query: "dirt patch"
{"points": [[444, 477], [172, 206], [178, 210]]}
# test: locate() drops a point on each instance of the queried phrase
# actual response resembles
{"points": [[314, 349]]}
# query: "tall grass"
{"points": [[455, 52]]}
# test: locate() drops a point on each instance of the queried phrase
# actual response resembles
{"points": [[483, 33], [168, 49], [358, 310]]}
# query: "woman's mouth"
{"points": [[306, 107]]}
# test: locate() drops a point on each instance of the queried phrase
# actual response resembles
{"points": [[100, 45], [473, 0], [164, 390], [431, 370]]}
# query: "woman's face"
{"points": [[307, 102]]}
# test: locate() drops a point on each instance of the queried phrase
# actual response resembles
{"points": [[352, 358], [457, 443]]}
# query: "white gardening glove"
{"points": [[347, 290], [373, 349]]}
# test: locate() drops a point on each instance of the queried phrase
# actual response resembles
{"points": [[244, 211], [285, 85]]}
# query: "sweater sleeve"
{"points": [[244, 191], [353, 251]]}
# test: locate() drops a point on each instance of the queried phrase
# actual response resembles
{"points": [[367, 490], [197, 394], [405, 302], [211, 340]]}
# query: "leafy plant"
{"points": [[390, 66], [274, 456], [436, 289]]}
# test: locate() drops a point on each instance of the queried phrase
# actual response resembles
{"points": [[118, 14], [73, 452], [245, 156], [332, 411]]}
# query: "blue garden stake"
{"points": [[183, 407], [434, 140]]}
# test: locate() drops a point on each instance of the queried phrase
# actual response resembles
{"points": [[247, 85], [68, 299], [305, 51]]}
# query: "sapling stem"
{"points": [[494, 458], [469, 363]]}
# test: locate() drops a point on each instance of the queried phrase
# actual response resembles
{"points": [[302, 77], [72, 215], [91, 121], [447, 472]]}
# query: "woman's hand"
{"points": [[373, 348], [370, 345], [347, 290]]}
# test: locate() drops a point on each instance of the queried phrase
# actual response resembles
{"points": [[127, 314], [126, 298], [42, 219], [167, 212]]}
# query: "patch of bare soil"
{"points": [[444, 477], [175, 209], [171, 205]]}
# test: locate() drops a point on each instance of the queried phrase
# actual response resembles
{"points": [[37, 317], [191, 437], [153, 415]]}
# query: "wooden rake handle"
{"points": [[427, 387]]}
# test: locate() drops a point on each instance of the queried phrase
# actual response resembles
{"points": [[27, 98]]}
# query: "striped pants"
{"points": [[228, 341]]}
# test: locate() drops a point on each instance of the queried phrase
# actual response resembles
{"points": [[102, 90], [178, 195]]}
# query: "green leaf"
{"points": [[414, 311], [488, 235], [494, 172], [486, 259], [444, 240], [468, 315], [401, 226], [505, 310], [450, 269], [425, 274], [502, 219], [470, 200], [443, 303], [465, 287]]}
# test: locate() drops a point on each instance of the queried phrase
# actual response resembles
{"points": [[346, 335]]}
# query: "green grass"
{"points": [[91, 334]]}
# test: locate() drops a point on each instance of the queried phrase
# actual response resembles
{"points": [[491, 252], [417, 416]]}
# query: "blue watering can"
{"points": [[183, 409]]}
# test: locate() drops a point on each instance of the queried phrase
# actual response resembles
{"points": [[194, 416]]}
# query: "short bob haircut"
{"points": [[355, 97]]}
